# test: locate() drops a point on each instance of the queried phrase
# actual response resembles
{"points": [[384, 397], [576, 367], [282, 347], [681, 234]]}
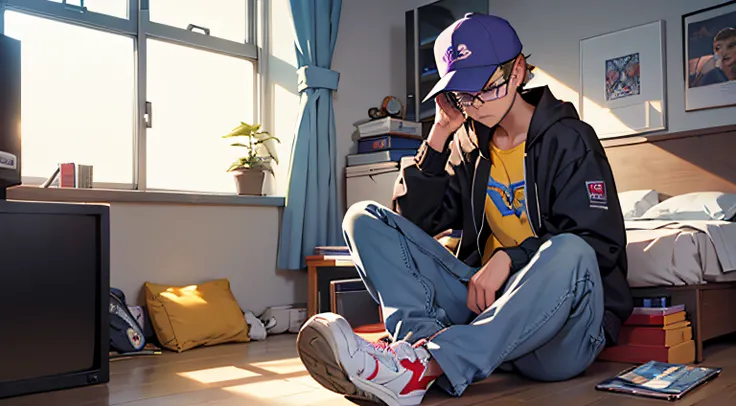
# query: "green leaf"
{"points": [[243, 130], [265, 139], [237, 144]]}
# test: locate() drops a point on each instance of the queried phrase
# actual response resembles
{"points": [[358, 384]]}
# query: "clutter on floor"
{"points": [[659, 380], [185, 317], [654, 334], [180, 318]]}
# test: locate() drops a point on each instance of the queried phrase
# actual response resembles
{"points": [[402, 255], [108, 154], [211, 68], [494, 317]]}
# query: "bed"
{"points": [[691, 261], [679, 253]]}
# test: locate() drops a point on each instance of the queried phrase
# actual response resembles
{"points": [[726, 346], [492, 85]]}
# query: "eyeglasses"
{"points": [[496, 91]]}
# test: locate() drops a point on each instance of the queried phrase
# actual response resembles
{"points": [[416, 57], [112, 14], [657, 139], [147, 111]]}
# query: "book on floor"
{"points": [[662, 380], [666, 336], [682, 353], [659, 311], [332, 251], [655, 319], [662, 335]]}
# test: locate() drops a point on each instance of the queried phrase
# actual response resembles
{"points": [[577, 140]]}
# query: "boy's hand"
{"points": [[447, 120], [487, 281]]}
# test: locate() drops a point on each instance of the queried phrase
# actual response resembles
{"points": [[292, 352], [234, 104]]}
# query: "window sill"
{"points": [[31, 193]]}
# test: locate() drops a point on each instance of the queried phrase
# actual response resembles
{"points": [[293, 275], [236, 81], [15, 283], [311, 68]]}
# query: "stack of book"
{"points": [[654, 334], [329, 251], [385, 141]]}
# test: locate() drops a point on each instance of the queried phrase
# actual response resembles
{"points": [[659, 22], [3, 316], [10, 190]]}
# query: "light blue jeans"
{"points": [[547, 325]]}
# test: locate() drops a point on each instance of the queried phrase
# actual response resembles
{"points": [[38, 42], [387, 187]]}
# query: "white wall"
{"points": [[551, 31], [370, 56], [185, 244]]}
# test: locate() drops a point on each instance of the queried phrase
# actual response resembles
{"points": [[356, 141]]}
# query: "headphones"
{"points": [[390, 107]]}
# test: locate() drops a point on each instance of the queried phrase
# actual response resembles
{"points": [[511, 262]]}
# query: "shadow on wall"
{"points": [[713, 153]]}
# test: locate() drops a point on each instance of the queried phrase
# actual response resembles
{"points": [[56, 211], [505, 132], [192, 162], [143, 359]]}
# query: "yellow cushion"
{"points": [[185, 317]]}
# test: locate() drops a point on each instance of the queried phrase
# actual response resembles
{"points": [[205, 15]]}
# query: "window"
{"points": [[145, 105], [116, 8], [199, 96], [228, 20], [77, 98]]}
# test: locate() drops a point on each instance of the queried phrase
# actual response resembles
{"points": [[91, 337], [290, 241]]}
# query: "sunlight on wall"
{"points": [[283, 109], [282, 32], [604, 119], [593, 112], [559, 89]]}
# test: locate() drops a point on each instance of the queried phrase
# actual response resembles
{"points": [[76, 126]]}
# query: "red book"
{"points": [[67, 175], [654, 320], [666, 336], [683, 353]]}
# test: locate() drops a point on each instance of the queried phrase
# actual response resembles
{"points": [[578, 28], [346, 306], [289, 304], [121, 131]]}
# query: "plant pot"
{"points": [[249, 181]]}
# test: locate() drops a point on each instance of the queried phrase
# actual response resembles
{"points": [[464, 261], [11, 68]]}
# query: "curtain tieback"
{"points": [[315, 77]]}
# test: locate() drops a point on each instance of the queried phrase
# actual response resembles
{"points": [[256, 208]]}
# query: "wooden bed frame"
{"points": [[672, 164]]}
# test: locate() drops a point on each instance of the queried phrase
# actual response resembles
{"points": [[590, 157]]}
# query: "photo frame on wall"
{"points": [[622, 81], [709, 50]]}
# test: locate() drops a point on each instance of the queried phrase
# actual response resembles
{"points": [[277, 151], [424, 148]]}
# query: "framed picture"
{"points": [[709, 47], [622, 81]]}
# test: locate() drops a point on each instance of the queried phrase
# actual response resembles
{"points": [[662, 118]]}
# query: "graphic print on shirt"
{"points": [[508, 199]]}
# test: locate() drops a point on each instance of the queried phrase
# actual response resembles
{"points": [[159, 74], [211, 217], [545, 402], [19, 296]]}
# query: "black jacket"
{"points": [[565, 164]]}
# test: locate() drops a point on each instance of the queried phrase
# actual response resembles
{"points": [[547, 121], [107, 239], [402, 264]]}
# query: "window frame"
{"points": [[140, 28]]}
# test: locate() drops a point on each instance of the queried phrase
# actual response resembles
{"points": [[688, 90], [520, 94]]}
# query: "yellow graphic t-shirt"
{"points": [[505, 207]]}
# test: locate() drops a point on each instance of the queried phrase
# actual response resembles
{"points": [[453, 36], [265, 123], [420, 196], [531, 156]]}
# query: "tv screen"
{"points": [[10, 116], [49, 294], [54, 276]]}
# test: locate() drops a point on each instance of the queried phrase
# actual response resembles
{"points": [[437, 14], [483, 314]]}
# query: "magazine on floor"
{"points": [[659, 380]]}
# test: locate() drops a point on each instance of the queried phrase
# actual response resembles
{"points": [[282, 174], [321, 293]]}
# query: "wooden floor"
{"points": [[270, 373]]}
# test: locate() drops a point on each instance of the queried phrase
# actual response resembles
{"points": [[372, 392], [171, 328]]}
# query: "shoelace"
{"points": [[390, 353]]}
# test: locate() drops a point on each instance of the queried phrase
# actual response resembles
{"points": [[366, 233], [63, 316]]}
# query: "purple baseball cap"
{"points": [[469, 51]]}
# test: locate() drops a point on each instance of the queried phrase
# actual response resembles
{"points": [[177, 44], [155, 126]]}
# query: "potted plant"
{"points": [[250, 170]]}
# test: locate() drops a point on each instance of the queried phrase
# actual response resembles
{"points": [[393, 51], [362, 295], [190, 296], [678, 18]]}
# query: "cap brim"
{"points": [[463, 80]]}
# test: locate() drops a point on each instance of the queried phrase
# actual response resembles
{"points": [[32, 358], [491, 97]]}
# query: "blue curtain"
{"points": [[310, 217]]}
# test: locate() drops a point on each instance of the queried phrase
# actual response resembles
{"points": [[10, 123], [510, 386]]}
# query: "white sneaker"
{"points": [[343, 362]]}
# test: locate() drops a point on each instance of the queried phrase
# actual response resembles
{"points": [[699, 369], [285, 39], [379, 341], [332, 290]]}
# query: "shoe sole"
{"points": [[317, 350]]}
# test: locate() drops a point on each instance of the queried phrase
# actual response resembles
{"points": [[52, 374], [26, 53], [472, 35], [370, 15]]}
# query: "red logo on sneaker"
{"points": [[417, 381], [375, 371]]}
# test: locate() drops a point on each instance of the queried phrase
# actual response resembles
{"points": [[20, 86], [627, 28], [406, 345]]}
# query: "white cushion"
{"points": [[634, 203], [695, 206]]}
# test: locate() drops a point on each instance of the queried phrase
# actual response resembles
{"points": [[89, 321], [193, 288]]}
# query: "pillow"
{"points": [[185, 317], [634, 203], [695, 206]]}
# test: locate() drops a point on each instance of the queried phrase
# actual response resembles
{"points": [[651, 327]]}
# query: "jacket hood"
{"points": [[548, 110]]}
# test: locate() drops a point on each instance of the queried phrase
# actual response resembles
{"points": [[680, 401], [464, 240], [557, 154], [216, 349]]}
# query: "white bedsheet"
{"points": [[662, 253]]}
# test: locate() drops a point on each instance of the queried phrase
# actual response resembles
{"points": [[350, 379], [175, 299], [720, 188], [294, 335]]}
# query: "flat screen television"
{"points": [[10, 113], [55, 279], [423, 25]]}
